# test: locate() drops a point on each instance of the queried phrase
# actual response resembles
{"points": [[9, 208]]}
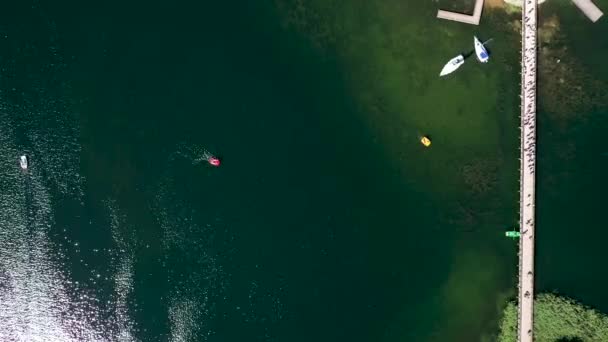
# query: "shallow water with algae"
{"points": [[328, 220]]}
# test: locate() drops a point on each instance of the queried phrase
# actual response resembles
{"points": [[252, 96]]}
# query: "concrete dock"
{"points": [[464, 18], [527, 180], [589, 9]]}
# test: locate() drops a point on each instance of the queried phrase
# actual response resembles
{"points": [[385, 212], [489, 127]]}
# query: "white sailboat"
{"points": [[452, 65], [23, 162], [480, 50]]}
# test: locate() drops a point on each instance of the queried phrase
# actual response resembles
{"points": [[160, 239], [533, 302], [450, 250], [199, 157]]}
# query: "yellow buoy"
{"points": [[425, 141]]}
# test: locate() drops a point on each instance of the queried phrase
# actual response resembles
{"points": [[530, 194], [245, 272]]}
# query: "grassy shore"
{"points": [[557, 319]]}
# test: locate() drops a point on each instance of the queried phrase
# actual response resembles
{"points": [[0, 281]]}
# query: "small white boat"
{"points": [[480, 51], [23, 162], [452, 65]]}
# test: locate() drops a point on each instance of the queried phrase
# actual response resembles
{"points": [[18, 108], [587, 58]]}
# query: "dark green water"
{"points": [[573, 182], [327, 221]]}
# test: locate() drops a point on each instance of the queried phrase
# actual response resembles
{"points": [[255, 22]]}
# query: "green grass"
{"points": [[557, 319]]}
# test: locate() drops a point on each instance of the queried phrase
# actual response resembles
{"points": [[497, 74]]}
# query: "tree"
{"points": [[557, 319]]}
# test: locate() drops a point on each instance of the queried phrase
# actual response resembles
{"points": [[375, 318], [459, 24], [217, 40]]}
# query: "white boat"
{"points": [[452, 65], [480, 51], [23, 162]]}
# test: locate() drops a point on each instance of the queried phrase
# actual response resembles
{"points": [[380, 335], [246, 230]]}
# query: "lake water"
{"points": [[328, 220]]}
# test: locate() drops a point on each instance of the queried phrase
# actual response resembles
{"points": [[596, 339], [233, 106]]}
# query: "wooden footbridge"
{"points": [[525, 325]]}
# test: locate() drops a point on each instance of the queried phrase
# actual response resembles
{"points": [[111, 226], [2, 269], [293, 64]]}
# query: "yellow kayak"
{"points": [[425, 141]]}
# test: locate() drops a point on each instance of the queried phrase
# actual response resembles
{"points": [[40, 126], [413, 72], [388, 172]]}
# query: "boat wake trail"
{"points": [[197, 154]]}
